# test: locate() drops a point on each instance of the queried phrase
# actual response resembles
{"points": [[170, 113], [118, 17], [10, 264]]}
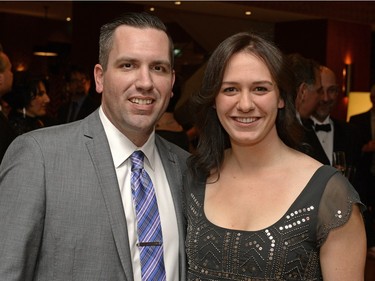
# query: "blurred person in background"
{"points": [[6, 81], [29, 101], [82, 99], [167, 126], [333, 134], [365, 175], [309, 92]]}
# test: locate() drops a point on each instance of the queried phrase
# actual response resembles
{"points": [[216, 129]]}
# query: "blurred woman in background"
{"points": [[29, 101]]}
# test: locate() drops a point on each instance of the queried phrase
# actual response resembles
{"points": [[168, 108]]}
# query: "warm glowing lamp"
{"points": [[45, 51], [359, 102]]}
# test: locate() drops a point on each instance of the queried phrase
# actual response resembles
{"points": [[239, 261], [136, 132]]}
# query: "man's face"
{"points": [[329, 97], [79, 85], [6, 77], [137, 84]]}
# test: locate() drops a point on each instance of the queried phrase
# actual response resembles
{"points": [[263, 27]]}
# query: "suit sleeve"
{"points": [[22, 208]]}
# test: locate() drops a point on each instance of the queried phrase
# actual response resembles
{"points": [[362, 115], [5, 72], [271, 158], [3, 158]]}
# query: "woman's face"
{"points": [[248, 100], [38, 105]]}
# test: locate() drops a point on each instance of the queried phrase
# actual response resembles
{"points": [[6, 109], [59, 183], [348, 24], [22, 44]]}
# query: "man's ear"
{"points": [[302, 90], [99, 77]]}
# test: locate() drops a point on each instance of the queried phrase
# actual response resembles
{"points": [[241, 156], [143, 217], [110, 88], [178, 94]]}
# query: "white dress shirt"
{"points": [[326, 138], [121, 149]]}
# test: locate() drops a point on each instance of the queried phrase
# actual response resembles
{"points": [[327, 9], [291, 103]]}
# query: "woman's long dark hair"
{"points": [[213, 139]]}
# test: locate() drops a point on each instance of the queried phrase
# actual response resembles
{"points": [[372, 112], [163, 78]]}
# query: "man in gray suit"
{"points": [[66, 209]]}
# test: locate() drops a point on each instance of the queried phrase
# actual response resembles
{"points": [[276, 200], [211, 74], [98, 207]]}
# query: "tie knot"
{"points": [[137, 160], [323, 127]]}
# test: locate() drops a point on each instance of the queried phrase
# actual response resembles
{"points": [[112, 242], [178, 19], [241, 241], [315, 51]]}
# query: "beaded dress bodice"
{"points": [[286, 250]]}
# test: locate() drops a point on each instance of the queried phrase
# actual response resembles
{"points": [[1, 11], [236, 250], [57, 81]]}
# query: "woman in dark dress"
{"points": [[29, 101], [257, 208]]}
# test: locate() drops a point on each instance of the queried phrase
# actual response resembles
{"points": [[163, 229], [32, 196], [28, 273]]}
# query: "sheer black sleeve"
{"points": [[336, 206]]}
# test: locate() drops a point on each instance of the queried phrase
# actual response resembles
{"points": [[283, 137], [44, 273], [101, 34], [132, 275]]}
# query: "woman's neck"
{"points": [[263, 154], [26, 113]]}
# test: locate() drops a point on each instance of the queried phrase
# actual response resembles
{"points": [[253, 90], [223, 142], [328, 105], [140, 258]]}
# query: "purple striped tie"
{"points": [[150, 239]]}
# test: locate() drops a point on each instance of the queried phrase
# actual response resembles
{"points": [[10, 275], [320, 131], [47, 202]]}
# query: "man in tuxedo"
{"points": [[333, 134], [6, 80], [66, 192], [309, 92]]}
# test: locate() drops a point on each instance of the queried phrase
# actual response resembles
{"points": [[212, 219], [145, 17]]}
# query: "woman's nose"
{"points": [[46, 98], [245, 102]]}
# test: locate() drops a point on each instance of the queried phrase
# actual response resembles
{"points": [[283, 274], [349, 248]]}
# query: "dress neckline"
{"points": [[307, 187]]}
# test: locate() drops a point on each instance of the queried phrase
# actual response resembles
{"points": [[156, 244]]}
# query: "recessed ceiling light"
{"points": [[152, 9], [68, 18], [177, 2], [248, 13]]}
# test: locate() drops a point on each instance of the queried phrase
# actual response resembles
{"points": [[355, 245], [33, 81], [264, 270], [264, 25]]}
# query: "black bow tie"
{"points": [[323, 127]]}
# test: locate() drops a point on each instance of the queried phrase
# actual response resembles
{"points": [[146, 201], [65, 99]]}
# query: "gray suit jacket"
{"points": [[61, 214]]}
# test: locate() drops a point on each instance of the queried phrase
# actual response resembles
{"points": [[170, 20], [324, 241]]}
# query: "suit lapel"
{"points": [[173, 172], [317, 149], [100, 153]]}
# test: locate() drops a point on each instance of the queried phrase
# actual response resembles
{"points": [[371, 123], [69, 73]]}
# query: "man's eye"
{"points": [[333, 91], [127, 65], [159, 68]]}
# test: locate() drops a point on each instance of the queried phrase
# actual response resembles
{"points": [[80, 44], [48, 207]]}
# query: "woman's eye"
{"points": [[229, 89], [260, 89]]}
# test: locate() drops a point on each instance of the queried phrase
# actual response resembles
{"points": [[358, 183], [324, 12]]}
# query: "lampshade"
{"points": [[45, 51], [359, 102]]}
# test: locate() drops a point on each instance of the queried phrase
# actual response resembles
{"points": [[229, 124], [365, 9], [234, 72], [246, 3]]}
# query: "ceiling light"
{"points": [[177, 2], [44, 51], [248, 13], [152, 9]]}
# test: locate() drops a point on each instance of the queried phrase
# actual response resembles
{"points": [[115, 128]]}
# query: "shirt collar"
{"points": [[121, 147], [298, 117], [326, 121]]}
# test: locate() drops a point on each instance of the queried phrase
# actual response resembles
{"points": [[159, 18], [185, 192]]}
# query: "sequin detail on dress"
{"points": [[287, 250]]}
